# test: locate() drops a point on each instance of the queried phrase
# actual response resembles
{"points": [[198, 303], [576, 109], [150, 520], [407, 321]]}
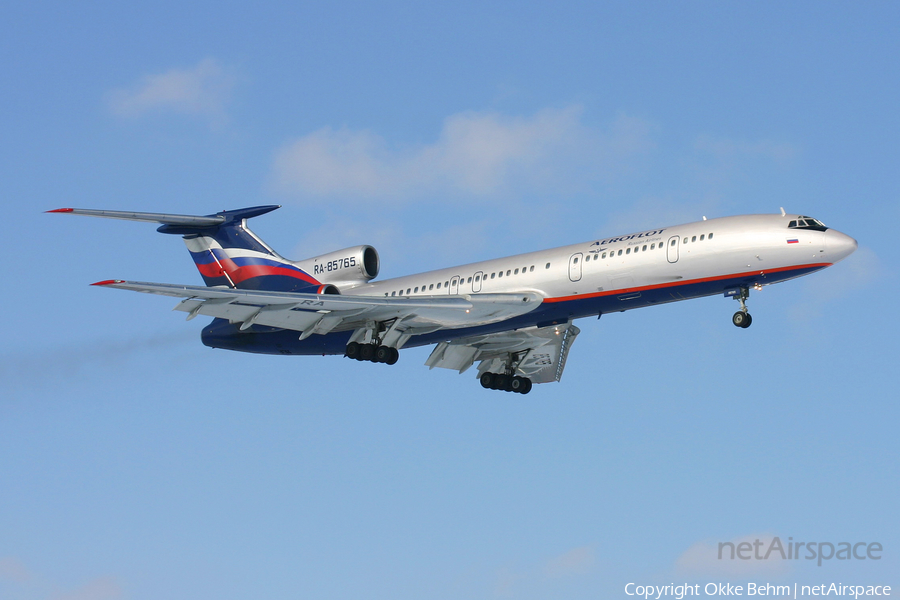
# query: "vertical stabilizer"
{"points": [[229, 254]]}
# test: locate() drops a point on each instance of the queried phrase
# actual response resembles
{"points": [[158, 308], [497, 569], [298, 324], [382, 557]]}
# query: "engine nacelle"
{"points": [[343, 268]]}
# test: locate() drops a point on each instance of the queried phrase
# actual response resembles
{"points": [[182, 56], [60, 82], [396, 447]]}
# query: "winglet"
{"points": [[60, 210], [109, 282]]}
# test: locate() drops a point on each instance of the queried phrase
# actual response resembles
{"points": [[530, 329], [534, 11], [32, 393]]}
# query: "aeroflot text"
{"points": [[755, 589]]}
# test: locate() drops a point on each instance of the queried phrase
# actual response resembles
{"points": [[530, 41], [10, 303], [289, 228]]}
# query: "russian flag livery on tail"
{"points": [[512, 316], [229, 254]]}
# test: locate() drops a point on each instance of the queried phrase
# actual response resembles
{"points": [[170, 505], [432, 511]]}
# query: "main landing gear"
{"points": [[742, 317], [372, 353], [379, 342], [507, 383]]}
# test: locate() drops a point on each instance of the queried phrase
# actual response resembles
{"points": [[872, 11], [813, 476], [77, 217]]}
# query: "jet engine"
{"points": [[343, 268]]}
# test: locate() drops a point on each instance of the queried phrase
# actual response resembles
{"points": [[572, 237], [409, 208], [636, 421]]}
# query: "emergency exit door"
{"points": [[575, 262]]}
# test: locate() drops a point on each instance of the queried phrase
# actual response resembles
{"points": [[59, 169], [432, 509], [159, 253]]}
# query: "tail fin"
{"points": [[225, 251]]}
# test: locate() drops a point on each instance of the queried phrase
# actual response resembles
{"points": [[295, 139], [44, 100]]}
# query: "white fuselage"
{"points": [[753, 249]]}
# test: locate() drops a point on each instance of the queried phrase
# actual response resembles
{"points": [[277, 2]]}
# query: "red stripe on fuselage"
{"points": [[681, 282], [239, 274], [250, 271]]}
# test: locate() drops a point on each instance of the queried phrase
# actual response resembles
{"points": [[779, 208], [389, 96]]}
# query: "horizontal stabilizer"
{"points": [[163, 218]]}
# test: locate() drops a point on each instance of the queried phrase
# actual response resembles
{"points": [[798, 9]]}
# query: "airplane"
{"points": [[513, 315]]}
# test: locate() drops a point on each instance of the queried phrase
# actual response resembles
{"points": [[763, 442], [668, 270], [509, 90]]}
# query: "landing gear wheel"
{"points": [[517, 385], [366, 352], [528, 385], [352, 350], [487, 380], [741, 319], [501, 382], [394, 357], [382, 354]]}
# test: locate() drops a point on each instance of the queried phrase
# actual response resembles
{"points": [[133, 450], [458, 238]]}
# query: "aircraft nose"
{"points": [[838, 246]]}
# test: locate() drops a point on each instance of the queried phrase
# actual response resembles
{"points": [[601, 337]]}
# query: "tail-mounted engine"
{"points": [[344, 268]]}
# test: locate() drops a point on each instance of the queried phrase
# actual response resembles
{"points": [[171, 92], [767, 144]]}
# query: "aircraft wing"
{"points": [[540, 352], [322, 313]]}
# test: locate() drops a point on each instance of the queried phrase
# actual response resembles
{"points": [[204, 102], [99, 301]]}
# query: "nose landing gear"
{"points": [[742, 317]]}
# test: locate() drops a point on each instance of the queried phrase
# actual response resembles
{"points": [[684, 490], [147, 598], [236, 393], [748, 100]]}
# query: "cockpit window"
{"points": [[807, 223]]}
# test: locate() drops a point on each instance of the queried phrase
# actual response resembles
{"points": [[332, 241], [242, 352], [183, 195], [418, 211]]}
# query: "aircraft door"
{"points": [[575, 262], [454, 286], [672, 248], [476, 282]]}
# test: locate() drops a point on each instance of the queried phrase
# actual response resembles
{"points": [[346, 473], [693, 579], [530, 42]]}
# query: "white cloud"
{"points": [[23, 583], [702, 559], [12, 569], [649, 212], [726, 149], [480, 154], [547, 577], [858, 271], [577, 561], [102, 588], [202, 90]]}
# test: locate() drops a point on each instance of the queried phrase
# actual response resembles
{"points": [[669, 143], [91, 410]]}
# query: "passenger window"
{"points": [[446, 284], [604, 255], [628, 251], [407, 291], [710, 236], [694, 239], [652, 246], [492, 275], [576, 260], [393, 293], [500, 274], [516, 272], [532, 269], [702, 237], [439, 285], [548, 266], [619, 253], [470, 280], [477, 278], [507, 272], [644, 249], [431, 287], [416, 291], [685, 240], [673, 242]]}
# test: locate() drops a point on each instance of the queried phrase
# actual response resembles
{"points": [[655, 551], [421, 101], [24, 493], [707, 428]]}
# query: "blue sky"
{"points": [[136, 463]]}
